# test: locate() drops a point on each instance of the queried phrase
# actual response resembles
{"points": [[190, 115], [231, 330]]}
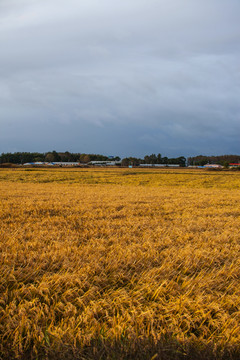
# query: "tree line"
{"points": [[54, 156], [224, 160], [51, 156], [154, 159]]}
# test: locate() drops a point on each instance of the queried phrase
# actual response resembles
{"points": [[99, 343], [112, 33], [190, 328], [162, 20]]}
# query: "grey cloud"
{"points": [[133, 76]]}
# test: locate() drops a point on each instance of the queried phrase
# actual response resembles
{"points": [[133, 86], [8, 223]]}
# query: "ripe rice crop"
{"points": [[119, 264]]}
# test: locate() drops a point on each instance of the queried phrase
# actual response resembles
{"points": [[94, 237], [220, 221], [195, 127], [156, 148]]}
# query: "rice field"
{"points": [[119, 264]]}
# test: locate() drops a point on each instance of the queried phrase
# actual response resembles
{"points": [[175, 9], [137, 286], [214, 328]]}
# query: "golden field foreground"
{"points": [[119, 264]]}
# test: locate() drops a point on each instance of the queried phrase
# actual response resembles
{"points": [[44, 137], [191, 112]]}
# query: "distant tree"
{"points": [[117, 158], [49, 157], [125, 162], [198, 160], [86, 159], [181, 161], [67, 156], [147, 159], [131, 161], [134, 161], [165, 160], [56, 156], [52, 156], [159, 159]]}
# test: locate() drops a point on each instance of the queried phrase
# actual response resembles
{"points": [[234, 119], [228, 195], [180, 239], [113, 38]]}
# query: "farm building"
{"points": [[55, 163], [159, 165], [65, 163], [213, 166], [104, 163]]}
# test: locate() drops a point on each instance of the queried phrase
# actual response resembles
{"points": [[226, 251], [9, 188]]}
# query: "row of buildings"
{"points": [[214, 166], [118, 163]]}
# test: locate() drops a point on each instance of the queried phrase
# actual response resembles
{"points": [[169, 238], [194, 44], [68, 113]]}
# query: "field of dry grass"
{"points": [[119, 264]]}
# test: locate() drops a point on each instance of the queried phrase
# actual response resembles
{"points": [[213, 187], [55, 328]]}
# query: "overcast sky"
{"points": [[123, 77]]}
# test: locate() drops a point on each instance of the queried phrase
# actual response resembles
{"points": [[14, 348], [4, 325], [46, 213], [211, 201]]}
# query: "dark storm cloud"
{"points": [[126, 78]]}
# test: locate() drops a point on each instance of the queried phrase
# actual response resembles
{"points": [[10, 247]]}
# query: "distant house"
{"points": [[104, 163], [159, 165], [213, 166], [65, 163]]}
